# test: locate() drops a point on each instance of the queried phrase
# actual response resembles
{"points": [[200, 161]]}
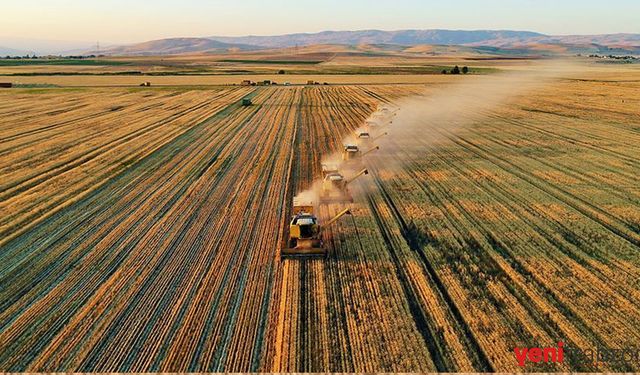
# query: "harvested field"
{"points": [[141, 232]]}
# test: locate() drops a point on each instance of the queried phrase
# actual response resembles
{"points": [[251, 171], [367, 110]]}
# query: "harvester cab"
{"points": [[388, 111], [370, 139], [305, 232], [329, 169], [334, 189], [363, 135], [350, 152]]}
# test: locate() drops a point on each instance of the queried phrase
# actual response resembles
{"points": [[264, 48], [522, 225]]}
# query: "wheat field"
{"points": [[141, 230]]}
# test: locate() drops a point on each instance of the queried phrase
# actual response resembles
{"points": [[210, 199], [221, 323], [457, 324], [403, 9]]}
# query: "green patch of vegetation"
{"points": [[287, 62], [34, 85], [463, 69], [72, 62], [611, 61], [38, 74], [319, 70], [518, 53], [171, 88], [48, 89], [398, 70]]}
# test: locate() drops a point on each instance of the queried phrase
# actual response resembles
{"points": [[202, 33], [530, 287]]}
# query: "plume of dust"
{"points": [[427, 120], [311, 196]]}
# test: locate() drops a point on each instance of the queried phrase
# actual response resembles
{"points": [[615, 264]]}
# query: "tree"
{"points": [[455, 70], [281, 71], [444, 71], [465, 69]]}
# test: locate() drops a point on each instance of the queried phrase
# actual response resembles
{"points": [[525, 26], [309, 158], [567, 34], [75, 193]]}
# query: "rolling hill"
{"points": [[175, 46], [482, 41], [403, 37], [498, 41]]}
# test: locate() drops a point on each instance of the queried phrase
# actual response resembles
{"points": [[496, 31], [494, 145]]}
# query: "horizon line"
{"points": [[316, 32]]}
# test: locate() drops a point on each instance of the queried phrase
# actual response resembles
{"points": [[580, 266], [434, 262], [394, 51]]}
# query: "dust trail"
{"points": [[425, 121], [416, 124], [311, 196]]}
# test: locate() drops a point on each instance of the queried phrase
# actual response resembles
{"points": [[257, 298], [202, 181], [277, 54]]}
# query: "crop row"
{"points": [[152, 244], [52, 160], [170, 263], [524, 223]]}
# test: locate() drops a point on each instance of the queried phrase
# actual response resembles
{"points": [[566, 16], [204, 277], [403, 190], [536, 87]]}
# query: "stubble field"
{"points": [[141, 231]]}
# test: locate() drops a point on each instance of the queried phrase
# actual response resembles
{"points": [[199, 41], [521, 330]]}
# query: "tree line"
{"points": [[456, 70]]}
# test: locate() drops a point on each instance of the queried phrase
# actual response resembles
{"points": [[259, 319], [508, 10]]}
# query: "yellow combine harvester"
{"points": [[363, 135], [385, 111], [371, 140], [352, 151], [305, 232], [328, 169], [335, 187]]}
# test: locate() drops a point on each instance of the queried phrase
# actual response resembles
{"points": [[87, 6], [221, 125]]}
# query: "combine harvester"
{"points": [[381, 118], [305, 232], [352, 152], [388, 112], [372, 124], [363, 135], [335, 185], [369, 140]]}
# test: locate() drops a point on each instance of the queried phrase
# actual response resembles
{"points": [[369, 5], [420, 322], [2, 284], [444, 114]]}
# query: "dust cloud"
{"points": [[427, 120], [311, 196], [413, 125]]}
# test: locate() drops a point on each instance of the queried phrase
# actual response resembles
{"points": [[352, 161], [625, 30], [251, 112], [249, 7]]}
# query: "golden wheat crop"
{"points": [[140, 231]]}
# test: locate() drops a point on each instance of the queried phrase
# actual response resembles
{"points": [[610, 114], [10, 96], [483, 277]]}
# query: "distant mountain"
{"points": [[43, 46], [176, 46], [612, 40], [481, 41], [402, 37], [6, 51], [616, 44], [502, 39]]}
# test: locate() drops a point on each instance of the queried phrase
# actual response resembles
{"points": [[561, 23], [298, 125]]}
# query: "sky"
{"points": [[129, 21]]}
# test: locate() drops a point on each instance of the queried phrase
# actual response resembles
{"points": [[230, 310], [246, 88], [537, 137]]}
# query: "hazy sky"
{"points": [[121, 21]]}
